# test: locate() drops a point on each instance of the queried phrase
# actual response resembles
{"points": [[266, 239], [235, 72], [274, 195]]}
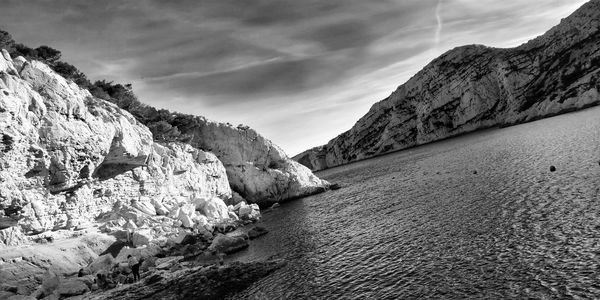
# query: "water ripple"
{"points": [[421, 224]]}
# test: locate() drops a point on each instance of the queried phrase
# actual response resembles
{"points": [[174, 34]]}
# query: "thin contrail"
{"points": [[438, 17]]}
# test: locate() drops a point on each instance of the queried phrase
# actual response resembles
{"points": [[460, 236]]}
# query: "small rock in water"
{"points": [[257, 231], [552, 168]]}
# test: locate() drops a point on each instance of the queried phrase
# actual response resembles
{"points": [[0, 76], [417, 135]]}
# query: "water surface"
{"points": [[478, 216]]}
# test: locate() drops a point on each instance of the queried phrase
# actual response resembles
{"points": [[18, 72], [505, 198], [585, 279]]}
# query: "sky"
{"points": [[300, 72]]}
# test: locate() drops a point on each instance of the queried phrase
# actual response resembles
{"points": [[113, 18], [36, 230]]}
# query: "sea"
{"points": [[480, 216]]}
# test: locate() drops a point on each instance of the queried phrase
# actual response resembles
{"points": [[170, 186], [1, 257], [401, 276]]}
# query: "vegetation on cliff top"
{"points": [[165, 126]]}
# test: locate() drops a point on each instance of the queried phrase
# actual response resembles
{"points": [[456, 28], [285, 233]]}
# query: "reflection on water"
{"points": [[479, 216]]}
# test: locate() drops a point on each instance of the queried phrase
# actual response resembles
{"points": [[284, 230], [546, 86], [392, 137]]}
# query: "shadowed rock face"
{"points": [[195, 283], [475, 87]]}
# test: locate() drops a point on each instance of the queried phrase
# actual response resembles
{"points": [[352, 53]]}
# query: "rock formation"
{"points": [[474, 87], [256, 168], [67, 158]]}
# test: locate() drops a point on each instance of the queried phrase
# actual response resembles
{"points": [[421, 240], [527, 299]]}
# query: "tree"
{"points": [[47, 54], [163, 131], [6, 41], [22, 50], [69, 71]]}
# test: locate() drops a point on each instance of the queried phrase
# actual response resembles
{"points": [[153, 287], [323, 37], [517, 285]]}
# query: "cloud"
{"points": [[300, 72], [438, 17]]}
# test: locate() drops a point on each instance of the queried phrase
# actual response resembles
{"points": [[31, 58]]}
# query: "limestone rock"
{"points": [[248, 212], [228, 244], [167, 262], [213, 208], [102, 263], [256, 168], [72, 287], [145, 207], [11, 236], [49, 283], [141, 237], [475, 87], [257, 231]]}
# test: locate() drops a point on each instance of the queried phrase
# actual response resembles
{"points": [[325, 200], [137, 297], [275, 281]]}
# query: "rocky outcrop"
{"points": [[257, 169], [474, 87], [68, 159]]}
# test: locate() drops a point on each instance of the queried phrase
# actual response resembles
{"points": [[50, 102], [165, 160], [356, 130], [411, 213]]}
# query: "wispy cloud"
{"points": [[438, 17]]}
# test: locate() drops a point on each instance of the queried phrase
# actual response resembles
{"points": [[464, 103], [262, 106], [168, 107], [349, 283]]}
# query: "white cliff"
{"points": [[67, 158]]}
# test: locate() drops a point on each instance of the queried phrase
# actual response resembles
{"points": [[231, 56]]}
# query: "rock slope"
{"points": [[475, 87], [67, 158]]}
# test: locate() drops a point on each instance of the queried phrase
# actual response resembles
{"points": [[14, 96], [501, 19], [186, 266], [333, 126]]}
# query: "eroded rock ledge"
{"points": [[474, 87]]}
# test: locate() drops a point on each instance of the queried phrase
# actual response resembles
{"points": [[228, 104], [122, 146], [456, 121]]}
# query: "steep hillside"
{"points": [[474, 87]]}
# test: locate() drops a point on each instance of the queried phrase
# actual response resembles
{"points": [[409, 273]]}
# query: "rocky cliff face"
{"points": [[475, 87], [67, 158], [256, 168]]}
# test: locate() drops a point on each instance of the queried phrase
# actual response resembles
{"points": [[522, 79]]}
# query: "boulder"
{"points": [[159, 208], [233, 216], [185, 214], [146, 207], [167, 262], [257, 231], [228, 244], [73, 287], [141, 252], [200, 221], [235, 198], [87, 280], [249, 212], [141, 237], [102, 263], [213, 208], [49, 283]]}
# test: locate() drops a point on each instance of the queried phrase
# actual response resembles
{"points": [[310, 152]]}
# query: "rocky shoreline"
{"points": [[84, 184], [170, 269]]}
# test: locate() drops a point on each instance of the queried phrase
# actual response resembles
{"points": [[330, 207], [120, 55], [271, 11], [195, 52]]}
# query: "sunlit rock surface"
{"points": [[67, 158], [475, 87]]}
